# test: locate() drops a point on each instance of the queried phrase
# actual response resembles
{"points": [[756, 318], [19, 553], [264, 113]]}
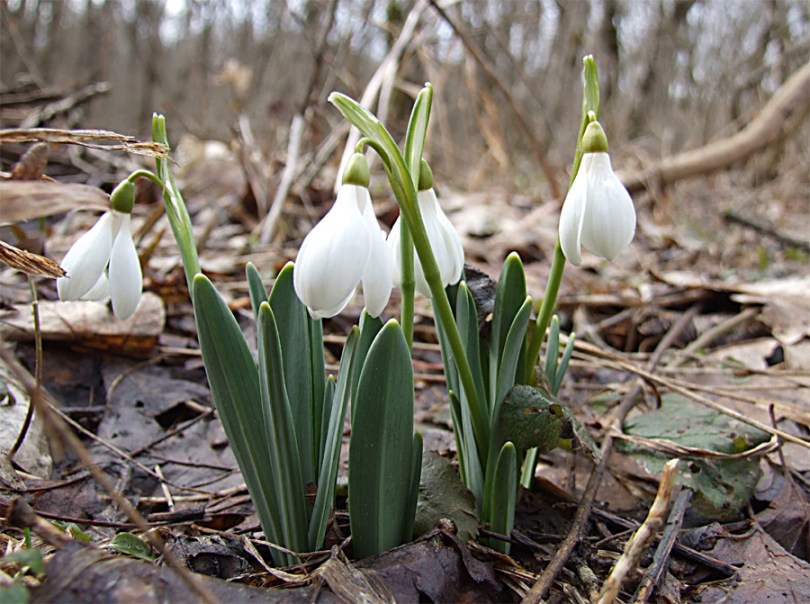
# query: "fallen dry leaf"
{"points": [[31, 199]]}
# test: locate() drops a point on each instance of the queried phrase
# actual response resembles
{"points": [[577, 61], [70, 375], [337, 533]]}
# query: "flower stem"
{"points": [[546, 308], [407, 284]]}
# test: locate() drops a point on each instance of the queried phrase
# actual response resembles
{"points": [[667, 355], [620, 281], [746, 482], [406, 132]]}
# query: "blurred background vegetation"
{"points": [[675, 74]]}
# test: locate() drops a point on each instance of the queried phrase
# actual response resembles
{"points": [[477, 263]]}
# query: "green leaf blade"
{"points": [[382, 436], [285, 461]]}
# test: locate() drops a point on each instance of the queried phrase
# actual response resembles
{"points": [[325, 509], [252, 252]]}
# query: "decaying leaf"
{"points": [[722, 486], [442, 495], [104, 140], [29, 263], [31, 199]]}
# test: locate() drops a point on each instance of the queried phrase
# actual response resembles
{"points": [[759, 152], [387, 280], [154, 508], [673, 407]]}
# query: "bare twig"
{"points": [[551, 571], [45, 114], [765, 229], [29, 412], [660, 563], [635, 546]]}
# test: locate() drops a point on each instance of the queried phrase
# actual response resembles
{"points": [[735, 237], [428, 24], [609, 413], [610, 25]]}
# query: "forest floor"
{"points": [[694, 343]]}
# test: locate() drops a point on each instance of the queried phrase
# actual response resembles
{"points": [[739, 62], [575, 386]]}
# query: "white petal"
{"points": [[610, 220], [126, 279], [453, 247], [100, 291], [333, 256], [86, 260], [429, 206], [573, 213], [392, 242], [378, 278]]}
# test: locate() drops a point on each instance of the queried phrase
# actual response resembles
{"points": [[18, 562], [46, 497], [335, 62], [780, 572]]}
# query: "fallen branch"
{"points": [[792, 98], [635, 546]]}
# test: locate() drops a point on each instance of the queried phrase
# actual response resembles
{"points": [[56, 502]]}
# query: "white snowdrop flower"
{"points": [[345, 248], [444, 239], [598, 212], [104, 262]]}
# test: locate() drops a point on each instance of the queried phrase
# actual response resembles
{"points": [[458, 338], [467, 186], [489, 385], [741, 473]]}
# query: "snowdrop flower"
{"points": [[444, 239], [346, 247], [104, 262], [598, 212]]}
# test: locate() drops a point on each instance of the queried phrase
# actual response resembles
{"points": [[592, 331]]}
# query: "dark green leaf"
{"points": [[258, 293], [14, 593], [531, 417], [501, 495], [722, 487]]}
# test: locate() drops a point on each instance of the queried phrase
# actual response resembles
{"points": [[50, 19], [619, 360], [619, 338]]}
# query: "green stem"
{"points": [[176, 210], [546, 308], [407, 283]]}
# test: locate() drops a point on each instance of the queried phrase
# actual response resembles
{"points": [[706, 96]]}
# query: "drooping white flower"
{"points": [[443, 238], [598, 212], [346, 247], [444, 241], [104, 262]]}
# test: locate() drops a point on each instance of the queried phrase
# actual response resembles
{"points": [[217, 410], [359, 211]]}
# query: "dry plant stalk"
{"points": [[636, 545]]}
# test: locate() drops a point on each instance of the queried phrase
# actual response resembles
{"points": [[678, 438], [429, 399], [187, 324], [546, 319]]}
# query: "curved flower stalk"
{"points": [[442, 235], [598, 212], [104, 262], [346, 247]]}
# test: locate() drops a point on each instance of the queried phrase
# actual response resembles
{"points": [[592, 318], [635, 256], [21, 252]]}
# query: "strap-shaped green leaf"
{"points": [[501, 496], [332, 437], [510, 294], [234, 382], [258, 293], [467, 322], [552, 350], [381, 445], [369, 328], [413, 490], [326, 412], [300, 363], [510, 358], [284, 461]]}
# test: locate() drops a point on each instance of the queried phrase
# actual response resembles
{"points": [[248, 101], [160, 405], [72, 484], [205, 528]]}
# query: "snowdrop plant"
{"points": [[103, 263]]}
